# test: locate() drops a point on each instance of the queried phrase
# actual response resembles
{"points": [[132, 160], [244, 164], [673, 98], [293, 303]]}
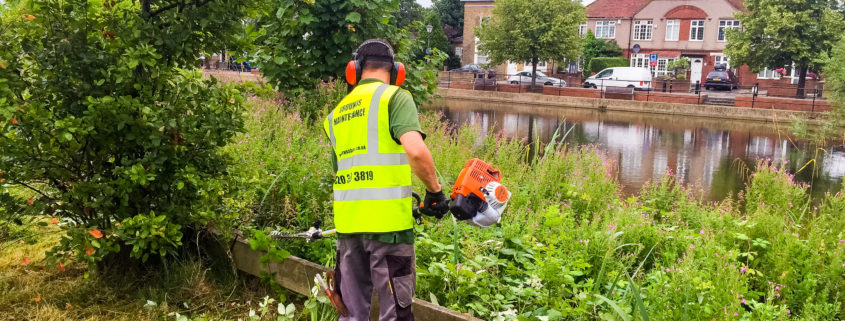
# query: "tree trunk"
{"points": [[533, 72], [802, 81]]}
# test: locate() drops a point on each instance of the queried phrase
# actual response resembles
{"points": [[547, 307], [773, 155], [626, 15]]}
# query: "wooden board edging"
{"points": [[297, 275]]}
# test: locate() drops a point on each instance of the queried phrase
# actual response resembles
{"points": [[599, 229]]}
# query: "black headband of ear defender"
{"points": [[356, 65]]}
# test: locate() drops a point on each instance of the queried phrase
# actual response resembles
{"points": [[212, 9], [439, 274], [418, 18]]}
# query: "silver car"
{"points": [[524, 78]]}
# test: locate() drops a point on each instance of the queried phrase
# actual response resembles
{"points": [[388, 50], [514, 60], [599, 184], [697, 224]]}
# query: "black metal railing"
{"points": [[656, 90]]}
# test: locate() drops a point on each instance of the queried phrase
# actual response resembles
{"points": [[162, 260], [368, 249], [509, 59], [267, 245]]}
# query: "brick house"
{"points": [[670, 29]]}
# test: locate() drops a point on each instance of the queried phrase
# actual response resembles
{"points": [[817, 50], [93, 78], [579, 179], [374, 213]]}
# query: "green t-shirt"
{"points": [[403, 117]]}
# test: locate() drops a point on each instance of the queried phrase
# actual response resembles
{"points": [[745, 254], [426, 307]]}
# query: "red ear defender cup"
{"points": [[352, 72], [397, 75]]}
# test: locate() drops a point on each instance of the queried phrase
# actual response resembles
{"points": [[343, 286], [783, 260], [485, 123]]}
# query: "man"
{"points": [[377, 141]]}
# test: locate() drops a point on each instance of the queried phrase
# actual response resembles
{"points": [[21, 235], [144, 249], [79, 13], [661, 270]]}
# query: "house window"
{"points": [[459, 51], [541, 65], [662, 64], [642, 29], [696, 30], [479, 58], [606, 29], [582, 29], [722, 59], [673, 28], [723, 24], [639, 60], [768, 74]]}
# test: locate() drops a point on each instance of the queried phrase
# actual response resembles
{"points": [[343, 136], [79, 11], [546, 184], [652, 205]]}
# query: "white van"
{"points": [[632, 77]]}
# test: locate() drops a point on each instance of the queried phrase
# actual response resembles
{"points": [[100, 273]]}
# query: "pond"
{"points": [[714, 155]]}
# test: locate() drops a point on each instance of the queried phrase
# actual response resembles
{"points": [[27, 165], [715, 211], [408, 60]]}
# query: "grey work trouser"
{"points": [[367, 265]]}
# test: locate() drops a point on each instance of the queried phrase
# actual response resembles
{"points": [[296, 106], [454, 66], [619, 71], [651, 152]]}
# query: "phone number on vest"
{"points": [[353, 177]]}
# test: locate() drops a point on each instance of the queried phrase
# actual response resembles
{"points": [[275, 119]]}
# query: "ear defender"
{"points": [[353, 72], [354, 68], [397, 74]]}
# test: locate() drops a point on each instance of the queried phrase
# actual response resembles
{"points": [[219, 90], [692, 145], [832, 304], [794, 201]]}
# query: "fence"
{"points": [[668, 91]]}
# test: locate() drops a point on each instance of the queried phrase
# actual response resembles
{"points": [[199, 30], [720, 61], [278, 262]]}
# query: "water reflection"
{"points": [[711, 154]]}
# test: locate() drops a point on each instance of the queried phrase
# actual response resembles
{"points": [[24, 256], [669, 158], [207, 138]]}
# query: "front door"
{"points": [[695, 69]]}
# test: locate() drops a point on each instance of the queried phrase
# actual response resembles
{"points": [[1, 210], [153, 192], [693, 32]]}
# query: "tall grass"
{"points": [[570, 245]]}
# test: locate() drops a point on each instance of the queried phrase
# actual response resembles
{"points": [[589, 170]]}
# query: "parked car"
{"points": [[721, 77], [524, 78], [476, 70], [632, 77]]}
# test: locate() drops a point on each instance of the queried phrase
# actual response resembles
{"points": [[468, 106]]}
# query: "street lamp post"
{"points": [[428, 40]]}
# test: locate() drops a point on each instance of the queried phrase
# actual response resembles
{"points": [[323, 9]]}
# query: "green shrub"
{"points": [[102, 126], [600, 63]]}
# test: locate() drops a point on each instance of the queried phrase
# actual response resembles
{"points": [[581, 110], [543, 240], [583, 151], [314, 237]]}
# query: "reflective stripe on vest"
{"points": [[372, 187]]}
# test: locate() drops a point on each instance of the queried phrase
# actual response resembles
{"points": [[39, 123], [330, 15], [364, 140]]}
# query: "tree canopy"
{"points": [[451, 14], [534, 31], [778, 33], [304, 42], [409, 11]]}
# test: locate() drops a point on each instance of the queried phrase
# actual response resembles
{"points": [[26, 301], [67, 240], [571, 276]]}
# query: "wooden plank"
{"points": [[297, 275]]}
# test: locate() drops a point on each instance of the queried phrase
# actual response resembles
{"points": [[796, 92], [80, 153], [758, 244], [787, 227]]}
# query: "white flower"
{"points": [[535, 282]]}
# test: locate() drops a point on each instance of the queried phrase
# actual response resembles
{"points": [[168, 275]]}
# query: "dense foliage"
{"points": [[305, 42], [103, 130], [452, 14], [834, 126], [301, 42], [409, 12], [596, 47], [778, 33], [570, 246], [599, 63], [518, 31]]}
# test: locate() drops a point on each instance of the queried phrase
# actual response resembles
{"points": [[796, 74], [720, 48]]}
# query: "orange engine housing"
{"points": [[474, 177]]}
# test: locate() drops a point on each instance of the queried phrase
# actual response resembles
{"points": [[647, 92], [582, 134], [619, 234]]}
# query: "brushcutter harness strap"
{"points": [[372, 186]]}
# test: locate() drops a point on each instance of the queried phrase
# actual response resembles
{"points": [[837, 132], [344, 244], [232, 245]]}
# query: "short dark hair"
{"points": [[375, 54]]}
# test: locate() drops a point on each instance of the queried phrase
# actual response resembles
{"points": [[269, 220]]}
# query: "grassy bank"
{"points": [[570, 246], [32, 289]]}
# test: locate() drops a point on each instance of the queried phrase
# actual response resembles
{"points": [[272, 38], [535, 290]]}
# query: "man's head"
{"points": [[375, 55], [375, 59]]}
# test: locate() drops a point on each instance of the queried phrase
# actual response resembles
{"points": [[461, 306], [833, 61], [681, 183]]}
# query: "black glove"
{"points": [[435, 204]]}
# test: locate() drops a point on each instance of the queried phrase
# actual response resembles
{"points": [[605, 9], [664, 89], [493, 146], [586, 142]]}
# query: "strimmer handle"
{"points": [[415, 210]]}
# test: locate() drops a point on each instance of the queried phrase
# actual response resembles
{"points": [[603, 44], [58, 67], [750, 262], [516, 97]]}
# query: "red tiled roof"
{"points": [[616, 8]]}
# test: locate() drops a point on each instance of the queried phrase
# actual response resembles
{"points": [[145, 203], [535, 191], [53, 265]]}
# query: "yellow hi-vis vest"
{"points": [[372, 186]]}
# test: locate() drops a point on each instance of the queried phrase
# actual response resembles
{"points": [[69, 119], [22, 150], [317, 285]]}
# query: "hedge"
{"points": [[599, 63]]}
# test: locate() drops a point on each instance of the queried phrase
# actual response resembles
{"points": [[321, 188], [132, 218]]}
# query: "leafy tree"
{"points": [[304, 42], [518, 31], [409, 12], [778, 33], [834, 125], [595, 47], [451, 14], [102, 130], [436, 39]]}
